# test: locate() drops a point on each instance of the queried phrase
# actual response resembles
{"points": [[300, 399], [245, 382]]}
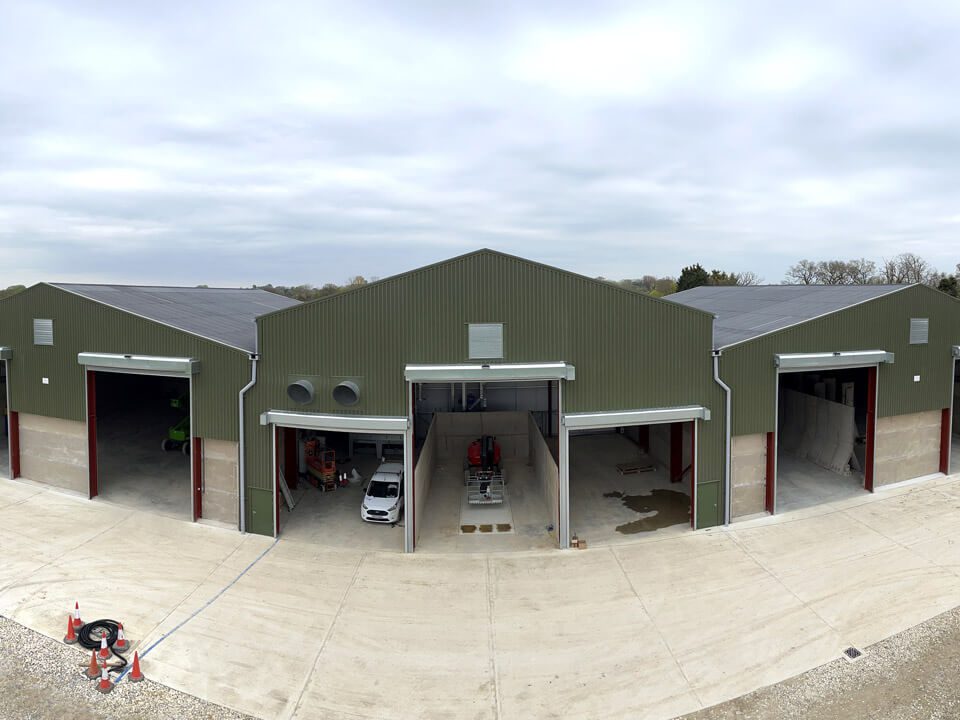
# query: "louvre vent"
{"points": [[42, 332], [486, 340], [919, 331]]}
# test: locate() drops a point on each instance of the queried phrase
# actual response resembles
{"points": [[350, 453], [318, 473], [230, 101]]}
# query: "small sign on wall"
{"points": [[916, 378], [45, 381]]}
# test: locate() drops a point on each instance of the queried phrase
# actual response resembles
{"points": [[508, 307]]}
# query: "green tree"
{"points": [[949, 285], [12, 290], [692, 276]]}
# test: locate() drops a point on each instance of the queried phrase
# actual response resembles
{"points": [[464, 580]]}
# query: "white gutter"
{"points": [[727, 490], [242, 479]]}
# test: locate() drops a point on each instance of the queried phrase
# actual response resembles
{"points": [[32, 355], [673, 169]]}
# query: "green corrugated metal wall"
{"points": [[881, 324], [630, 351], [82, 325]]}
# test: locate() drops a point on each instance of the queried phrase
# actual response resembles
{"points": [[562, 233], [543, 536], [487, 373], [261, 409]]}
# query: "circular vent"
{"points": [[347, 393], [301, 391]]}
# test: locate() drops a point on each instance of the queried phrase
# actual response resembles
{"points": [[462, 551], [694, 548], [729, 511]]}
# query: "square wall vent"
{"points": [[42, 332], [919, 331], [485, 341]]}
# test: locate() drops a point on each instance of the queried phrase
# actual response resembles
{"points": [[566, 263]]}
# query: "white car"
{"points": [[383, 499]]}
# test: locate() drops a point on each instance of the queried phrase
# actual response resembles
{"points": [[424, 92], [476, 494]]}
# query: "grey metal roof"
{"points": [[744, 313], [225, 315]]}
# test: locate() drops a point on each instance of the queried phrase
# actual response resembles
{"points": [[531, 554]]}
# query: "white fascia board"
{"points": [[654, 416], [6, 353], [827, 361], [337, 423], [490, 372], [140, 363]]}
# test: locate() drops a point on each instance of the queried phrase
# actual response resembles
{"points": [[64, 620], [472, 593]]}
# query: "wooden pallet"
{"points": [[633, 468]]}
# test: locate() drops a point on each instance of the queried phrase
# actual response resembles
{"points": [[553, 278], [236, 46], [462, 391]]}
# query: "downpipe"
{"points": [[727, 490], [242, 480]]}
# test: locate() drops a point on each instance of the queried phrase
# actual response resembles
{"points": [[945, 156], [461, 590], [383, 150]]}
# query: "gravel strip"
{"points": [[910, 676], [42, 679]]}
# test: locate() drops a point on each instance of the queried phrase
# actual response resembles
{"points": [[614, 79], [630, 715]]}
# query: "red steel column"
{"points": [[676, 452], [92, 433], [871, 427], [14, 420], [291, 459], [945, 441], [196, 475]]}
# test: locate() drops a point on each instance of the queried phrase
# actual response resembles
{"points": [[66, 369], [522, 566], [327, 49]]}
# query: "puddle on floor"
{"points": [[671, 508]]}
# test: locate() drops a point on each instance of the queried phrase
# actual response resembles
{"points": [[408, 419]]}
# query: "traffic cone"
{"points": [[77, 622], [94, 670], [71, 637], [104, 686], [121, 645], [104, 649], [135, 674]]}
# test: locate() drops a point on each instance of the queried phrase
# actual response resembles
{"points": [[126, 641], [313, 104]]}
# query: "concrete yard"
{"points": [[658, 627]]}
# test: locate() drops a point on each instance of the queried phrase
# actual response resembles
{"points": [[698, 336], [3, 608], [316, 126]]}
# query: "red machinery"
{"points": [[484, 453]]}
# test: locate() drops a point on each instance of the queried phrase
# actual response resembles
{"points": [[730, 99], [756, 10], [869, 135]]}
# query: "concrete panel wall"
{"points": [[748, 471], [221, 467], [455, 432], [422, 477], [907, 446], [54, 451], [546, 473]]}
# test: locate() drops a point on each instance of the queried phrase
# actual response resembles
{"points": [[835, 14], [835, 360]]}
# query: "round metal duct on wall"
{"points": [[300, 392], [347, 393]]}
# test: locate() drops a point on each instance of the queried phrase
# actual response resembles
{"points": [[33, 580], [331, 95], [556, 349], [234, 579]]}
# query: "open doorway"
{"points": [[140, 429], [630, 481], [5, 420], [486, 476], [340, 488], [825, 432]]}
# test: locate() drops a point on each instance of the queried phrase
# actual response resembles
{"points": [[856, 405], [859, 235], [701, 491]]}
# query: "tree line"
{"points": [[904, 269]]}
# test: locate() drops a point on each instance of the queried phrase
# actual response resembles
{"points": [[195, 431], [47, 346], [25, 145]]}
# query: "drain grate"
{"points": [[852, 654]]}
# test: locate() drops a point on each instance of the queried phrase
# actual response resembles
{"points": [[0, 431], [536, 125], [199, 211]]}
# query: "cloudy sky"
{"points": [[232, 143]]}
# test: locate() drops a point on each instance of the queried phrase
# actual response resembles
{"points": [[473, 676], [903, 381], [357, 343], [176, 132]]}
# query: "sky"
{"points": [[233, 143]]}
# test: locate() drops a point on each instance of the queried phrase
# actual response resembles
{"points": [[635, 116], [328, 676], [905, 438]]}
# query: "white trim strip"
{"points": [[490, 372], [139, 363], [810, 361], [577, 421], [339, 423]]}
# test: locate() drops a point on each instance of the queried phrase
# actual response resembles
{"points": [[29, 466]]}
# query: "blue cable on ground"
{"points": [[200, 609]]}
